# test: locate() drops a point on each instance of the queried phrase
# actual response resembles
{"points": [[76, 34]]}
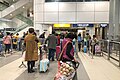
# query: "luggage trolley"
{"points": [[65, 74], [23, 50], [98, 49]]}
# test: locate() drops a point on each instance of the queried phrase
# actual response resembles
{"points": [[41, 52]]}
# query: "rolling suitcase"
{"points": [[85, 49], [44, 64], [98, 49]]}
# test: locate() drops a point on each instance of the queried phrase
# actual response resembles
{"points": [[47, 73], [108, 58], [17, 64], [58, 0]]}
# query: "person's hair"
{"points": [[31, 30], [87, 33], [17, 34], [35, 34], [7, 33], [94, 36], [75, 35], [70, 35], [79, 34], [53, 32]]}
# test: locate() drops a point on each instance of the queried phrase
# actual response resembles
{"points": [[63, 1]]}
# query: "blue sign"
{"points": [[91, 25], [75, 25], [83, 25]]}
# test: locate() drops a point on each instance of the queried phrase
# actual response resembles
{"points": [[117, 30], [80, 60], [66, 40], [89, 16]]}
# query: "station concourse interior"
{"points": [[99, 57]]}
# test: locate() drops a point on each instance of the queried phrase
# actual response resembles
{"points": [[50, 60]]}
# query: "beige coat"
{"points": [[31, 48]]}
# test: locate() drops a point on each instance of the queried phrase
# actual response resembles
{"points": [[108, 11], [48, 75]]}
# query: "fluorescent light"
{"points": [[11, 14], [12, 6]]}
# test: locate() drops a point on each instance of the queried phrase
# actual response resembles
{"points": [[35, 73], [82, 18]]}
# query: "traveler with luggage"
{"points": [[67, 53], [52, 43], [7, 42], [93, 43], [79, 41], [31, 50], [87, 40]]}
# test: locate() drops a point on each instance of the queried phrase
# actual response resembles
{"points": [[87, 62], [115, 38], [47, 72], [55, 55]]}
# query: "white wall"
{"points": [[71, 12], [42, 27]]}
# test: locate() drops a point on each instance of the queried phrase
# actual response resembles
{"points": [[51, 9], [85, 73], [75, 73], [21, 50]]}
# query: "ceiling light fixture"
{"points": [[23, 7], [12, 6], [10, 14]]}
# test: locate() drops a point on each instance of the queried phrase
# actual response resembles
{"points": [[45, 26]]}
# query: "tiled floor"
{"points": [[8, 59], [82, 75], [12, 70], [99, 68]]}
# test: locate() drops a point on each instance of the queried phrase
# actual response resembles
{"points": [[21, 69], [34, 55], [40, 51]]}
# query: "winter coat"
{"points": [[31, 48]]}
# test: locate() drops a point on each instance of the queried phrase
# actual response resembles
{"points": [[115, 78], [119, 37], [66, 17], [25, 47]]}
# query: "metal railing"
{"points": [[111, 49]]}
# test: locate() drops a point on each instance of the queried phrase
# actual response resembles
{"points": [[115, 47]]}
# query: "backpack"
{"points": [[15, 40]]}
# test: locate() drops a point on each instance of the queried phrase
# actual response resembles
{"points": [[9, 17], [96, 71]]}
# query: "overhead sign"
{"points": [[103, 25], [83, 25], [61, 25], [9, 29], [75, 25]]}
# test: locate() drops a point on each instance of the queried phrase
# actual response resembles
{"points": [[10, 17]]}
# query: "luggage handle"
{"points": [[77, 65]]}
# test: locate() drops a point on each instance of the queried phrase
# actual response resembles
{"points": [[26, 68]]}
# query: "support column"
{"points": [[39, 15], [114, 20]]}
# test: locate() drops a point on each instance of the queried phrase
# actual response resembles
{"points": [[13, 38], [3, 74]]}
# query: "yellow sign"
{"points": [[61, 25]]}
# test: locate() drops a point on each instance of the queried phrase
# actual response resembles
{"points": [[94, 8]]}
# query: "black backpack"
{"points": [[15, 40]]}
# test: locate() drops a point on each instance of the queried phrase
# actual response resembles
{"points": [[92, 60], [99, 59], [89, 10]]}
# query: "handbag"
{"points": [[59, 57]]}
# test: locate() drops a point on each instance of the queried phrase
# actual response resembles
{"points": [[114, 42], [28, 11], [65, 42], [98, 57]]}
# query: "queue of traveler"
{"points": [[66, 41], [52, 40], [10, 43]]}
